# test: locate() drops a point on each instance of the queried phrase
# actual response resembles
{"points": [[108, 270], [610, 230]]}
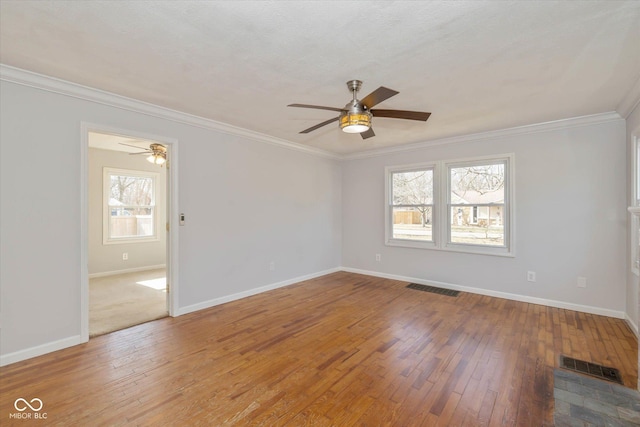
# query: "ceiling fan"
{"points": [[356, 116], [157, 152]]}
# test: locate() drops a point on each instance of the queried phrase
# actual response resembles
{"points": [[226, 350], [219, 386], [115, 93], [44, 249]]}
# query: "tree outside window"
{"points": [[459, 205], [412, 206], [477, 200], [130, 205]]}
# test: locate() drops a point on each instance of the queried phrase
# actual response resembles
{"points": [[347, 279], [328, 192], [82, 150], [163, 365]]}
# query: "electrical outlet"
{"points": [[125, 256], [531, 276], [272, 266], [378, 257], [582, 282]]}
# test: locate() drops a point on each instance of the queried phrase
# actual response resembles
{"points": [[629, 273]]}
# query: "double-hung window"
{"points": [[459, 205], [411, 207], [129, 206], [476, 192]]}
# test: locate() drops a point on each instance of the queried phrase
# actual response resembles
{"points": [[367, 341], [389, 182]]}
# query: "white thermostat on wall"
{"points": [[181, 219]]}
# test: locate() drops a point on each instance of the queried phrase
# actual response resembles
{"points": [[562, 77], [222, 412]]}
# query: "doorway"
{"points": [[126, 238]]}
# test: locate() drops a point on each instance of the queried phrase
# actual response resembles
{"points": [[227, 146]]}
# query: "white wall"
{"points": [[108, 258], [250, 205], [570, 194], [247, 204], [633, 128]]}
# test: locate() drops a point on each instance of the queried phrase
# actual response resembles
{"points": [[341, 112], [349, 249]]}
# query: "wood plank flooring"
{"points": [[339, 350]]}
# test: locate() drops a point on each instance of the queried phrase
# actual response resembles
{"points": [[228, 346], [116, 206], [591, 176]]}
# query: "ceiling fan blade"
{"points": [[317, 107], [319, 125], [401, 114], [142, 152], [134, 146], [367, 133], [377, 96]]}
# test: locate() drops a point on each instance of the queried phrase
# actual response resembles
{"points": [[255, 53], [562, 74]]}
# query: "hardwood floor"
{"points": [[339, 350]]}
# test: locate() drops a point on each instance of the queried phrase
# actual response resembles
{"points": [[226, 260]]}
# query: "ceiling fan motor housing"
{"points": [[355, 118], [158, 148]]}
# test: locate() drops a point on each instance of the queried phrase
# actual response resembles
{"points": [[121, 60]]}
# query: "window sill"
{"points": [[129, 241], [411, 244], [501, 252]]}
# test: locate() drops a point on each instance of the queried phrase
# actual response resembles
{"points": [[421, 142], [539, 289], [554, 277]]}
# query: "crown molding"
{"points": [[502, 133], [630, 101], [63, 87]]}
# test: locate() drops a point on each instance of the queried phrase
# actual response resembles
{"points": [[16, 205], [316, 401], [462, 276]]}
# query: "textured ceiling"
{"points": [[118, 143], [476, 66]]}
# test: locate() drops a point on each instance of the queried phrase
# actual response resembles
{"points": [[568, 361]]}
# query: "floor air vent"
{"points": [[603, 372], [433, 290]]}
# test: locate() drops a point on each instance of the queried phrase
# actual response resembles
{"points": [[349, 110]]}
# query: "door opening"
{"points": [[127, 239]]}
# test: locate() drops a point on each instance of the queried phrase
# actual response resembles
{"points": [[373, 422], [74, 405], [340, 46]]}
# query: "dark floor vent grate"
{"points": [[433, 290], [599, 371]]}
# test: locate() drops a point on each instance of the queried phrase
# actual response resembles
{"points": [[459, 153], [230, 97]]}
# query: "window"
{"points": [[129, 206], [412, 205], [636, 170], [476, 203], [452, 205], [635, 223]]}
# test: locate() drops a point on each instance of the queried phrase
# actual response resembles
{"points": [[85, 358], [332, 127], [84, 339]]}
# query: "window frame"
{"points": [[441, 224], [389, 239], [106, 208], [507, 160], [635, 202]]}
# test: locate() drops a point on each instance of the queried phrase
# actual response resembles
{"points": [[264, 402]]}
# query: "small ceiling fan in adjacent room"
{"points": [[356, 116], [157, 153]]}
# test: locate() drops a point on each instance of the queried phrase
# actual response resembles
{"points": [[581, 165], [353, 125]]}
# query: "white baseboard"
{"points": [[633, 325], [250, 292], [498, 294], [128, 270], [39, 350]]}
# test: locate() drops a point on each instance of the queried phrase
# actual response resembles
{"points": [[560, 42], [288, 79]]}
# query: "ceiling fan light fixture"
{"points": [[158, 154], [356, 122], [157, 158]]}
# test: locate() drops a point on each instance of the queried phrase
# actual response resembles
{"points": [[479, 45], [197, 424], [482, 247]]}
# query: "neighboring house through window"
{"points": [[462, 205]]}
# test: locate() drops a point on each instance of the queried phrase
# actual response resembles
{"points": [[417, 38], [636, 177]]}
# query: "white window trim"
{"points": [[388, 217], [106, 209], [635, 202], [440, 230]]}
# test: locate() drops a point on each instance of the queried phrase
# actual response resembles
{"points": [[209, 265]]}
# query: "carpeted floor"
{"points": [[117, 302]]}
